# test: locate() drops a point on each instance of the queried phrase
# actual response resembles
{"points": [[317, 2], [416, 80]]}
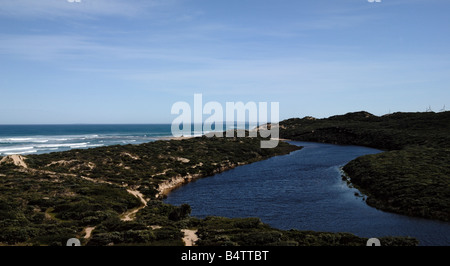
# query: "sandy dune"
{"points": [[18, 160], [190, 237]]}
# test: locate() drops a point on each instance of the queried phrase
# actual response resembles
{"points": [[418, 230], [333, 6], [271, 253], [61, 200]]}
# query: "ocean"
{"points": [[37, 139]]}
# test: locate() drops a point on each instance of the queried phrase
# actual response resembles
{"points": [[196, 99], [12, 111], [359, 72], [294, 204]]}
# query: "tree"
{"points": [[180, 213]]}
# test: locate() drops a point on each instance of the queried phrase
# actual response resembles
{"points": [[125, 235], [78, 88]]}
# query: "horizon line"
{"points": [[239, 122]]}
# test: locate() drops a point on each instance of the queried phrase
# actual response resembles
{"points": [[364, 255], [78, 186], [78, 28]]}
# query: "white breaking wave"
{"points": [[83, 144], [23, 152], [44, 139], [18, 140], [16, 149], [23, 145], [95, 145]]}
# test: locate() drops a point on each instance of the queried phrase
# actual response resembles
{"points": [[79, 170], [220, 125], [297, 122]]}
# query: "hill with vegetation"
{"points": [[411, 176], [112, 196]]}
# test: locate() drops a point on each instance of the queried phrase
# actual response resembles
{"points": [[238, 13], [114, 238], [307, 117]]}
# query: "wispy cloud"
{"points": [[335, 22], [190, 69], [64, 8], [41, 47], [270, 76], [73, 48]]}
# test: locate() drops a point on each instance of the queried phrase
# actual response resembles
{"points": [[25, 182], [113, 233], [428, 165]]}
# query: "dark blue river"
{"points": [[303, 190]]}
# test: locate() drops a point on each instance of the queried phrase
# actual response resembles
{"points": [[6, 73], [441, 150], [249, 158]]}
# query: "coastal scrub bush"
{"points": [[180, 213]]}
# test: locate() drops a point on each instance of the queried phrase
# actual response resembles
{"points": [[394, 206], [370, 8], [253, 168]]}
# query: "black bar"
{"points": [[225, 255]]}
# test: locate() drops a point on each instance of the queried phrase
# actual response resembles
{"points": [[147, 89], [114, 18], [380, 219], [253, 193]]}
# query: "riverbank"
{"points": [[303, 190], [92, 193], [167, 186], [411, 177], [90, 188], [414, 181]]}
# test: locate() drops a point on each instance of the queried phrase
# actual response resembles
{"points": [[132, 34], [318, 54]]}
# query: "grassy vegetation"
{"points": [[411, 177], [414, 181], [218, 231], [60, 195], [37, 208]]}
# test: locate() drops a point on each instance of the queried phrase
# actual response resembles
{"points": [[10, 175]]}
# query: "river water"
{"points": [[303, 190]]}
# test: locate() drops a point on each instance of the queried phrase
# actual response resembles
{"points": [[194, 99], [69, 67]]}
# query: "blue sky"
{"points": [[117, 61]]}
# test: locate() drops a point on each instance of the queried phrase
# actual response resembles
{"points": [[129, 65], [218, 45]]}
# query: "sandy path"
{"points": [[190, 237], [131, 214], [88, 232]]}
